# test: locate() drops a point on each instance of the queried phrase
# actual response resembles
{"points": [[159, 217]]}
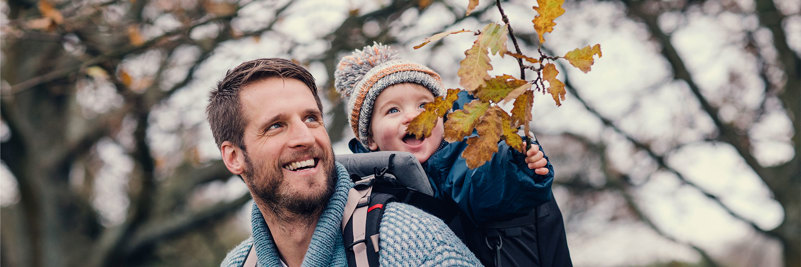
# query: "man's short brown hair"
{"points": [[225, 111]]}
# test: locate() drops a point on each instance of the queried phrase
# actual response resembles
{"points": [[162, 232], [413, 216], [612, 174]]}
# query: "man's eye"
{"points": [[274, 126], [312, 119], [392, 110]]}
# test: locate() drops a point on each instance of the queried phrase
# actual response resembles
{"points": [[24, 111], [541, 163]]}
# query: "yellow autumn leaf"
{"points": [[583, 58], [556, 88], [471, 5], [480, 148], [134, 36], [125, 78], [547, 12], [462, 122], [498, 88], [510, 134], [50, 12], [438, 36], [97, 73], [421, 125], [521, 111]]}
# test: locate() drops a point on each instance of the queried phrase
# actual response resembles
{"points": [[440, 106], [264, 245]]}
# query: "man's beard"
{"points": [[272, 190]]}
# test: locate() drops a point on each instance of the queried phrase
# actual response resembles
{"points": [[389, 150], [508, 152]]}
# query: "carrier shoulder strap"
{"points": [[360, 223]]}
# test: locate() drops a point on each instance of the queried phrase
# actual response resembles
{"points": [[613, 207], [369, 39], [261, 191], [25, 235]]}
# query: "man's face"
{"points": [[394, 108], [289, 160]]}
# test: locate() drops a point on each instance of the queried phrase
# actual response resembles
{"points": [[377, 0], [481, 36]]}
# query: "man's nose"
{"points": [[300, 135]]}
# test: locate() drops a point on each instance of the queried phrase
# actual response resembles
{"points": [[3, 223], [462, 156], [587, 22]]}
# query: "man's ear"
{"points": [[233, 157], [371, 145]]}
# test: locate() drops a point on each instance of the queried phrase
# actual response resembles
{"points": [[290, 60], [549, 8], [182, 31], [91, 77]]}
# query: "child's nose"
{"points": [[408, 116]]}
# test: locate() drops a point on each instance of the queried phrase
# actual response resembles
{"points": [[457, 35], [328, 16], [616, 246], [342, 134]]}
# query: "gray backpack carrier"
{"points": [[537, 239]]}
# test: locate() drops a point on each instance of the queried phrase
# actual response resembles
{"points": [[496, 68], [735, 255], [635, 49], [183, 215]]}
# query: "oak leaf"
{"points": [[556, 88], [480, 148], [510, 133], [494, 37], [498, 88], [421, 125], [582, 58], [474, 67], [462, 122], [521, 111], [523, 57], [437, 37], [516, 92], [471, 6], [547, 12]]}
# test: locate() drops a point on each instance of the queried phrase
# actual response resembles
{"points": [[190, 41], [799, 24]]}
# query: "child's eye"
{"points": [[422, 105], [392, 110]]}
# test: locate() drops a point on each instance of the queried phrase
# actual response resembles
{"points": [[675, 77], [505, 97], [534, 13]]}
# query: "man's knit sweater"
{"points": [[409, 237]]}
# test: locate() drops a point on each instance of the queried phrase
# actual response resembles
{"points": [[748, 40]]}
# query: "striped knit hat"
{"points": [[362, 76]]}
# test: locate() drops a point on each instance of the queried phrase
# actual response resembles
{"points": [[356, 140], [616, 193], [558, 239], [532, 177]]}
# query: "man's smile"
{"points": [[301, 164]]}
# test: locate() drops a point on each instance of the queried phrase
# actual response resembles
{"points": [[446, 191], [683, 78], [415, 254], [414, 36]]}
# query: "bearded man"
{"points": [[266, 118]]}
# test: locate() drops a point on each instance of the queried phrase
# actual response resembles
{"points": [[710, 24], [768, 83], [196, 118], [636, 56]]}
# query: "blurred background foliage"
{"points": [[680, 148]]}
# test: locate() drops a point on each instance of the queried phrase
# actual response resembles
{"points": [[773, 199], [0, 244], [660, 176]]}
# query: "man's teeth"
{"points": [[300, 164]]}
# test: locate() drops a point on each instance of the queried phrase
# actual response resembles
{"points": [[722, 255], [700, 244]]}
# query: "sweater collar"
{"points": [[326, 246]]}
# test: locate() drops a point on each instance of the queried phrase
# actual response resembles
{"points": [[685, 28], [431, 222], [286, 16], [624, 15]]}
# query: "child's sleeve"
{"points": [[502, 188]]}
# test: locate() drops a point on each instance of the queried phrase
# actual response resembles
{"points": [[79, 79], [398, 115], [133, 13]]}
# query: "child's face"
{"points": [[394, 108]]}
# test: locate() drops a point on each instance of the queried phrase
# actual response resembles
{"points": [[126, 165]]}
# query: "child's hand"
{"points": [[536, 160]]}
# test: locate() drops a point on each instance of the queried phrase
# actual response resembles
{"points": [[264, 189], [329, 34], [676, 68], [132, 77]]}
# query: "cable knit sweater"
{"points": [[409, 237]]}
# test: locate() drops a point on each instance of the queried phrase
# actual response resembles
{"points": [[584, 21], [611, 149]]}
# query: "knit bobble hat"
{"points": [[362, 76]]}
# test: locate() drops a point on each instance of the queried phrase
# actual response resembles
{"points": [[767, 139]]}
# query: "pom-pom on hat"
{"points": [[362, 76]]}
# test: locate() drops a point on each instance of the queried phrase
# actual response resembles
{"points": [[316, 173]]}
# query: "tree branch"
{"points": [[659, 159], [181, 224], [126, 50], [728, 133]]}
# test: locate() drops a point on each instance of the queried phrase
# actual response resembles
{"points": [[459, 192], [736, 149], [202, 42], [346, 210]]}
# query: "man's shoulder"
{"points": [[238, 255], [410, 236]]}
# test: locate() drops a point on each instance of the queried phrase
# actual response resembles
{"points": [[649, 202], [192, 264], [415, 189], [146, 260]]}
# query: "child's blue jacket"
{"points": [[502, 188]]}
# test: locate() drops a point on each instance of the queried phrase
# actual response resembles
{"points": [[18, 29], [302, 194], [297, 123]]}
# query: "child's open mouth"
{"points": [[409, 139]]}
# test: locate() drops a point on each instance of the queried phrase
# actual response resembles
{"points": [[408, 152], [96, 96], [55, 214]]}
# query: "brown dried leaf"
{"points": [[480, 148], [471, 6], [510, 134], [521, 111], [523, 57], [438, 36]]}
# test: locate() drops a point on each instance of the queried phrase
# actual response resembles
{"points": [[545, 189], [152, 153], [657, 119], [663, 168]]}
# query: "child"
{"points": [[383, 94]]}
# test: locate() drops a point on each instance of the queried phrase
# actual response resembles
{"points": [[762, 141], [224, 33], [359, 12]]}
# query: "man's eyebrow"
{"points": [[269, 122]]}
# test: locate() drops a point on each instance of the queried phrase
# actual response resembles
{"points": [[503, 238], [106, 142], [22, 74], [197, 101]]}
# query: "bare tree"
{"points": [[80, 76]]}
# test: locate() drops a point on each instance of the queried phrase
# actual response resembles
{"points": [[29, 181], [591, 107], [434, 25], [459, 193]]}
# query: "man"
{"points": [[266, 118]]}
